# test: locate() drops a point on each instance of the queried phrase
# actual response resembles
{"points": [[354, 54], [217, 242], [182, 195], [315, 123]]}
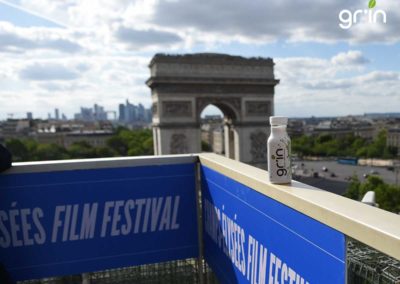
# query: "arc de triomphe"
{"points": [[242, 88]]}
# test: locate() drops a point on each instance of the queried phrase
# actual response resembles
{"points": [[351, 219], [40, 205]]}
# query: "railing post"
{"points": [[199, 222], [85, 278]]}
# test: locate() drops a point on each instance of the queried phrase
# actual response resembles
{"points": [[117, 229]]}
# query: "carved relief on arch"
{"points": [[179, 144], [258, 108], [177, 109], [258, 150]]}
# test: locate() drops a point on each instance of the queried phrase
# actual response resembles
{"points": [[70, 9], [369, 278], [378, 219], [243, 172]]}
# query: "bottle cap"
{"points": [[278, 120]]}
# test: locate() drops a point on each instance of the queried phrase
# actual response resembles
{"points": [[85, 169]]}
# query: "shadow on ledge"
{"points": [[334, 186]]}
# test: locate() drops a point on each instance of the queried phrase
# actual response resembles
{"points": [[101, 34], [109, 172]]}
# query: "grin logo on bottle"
{"points": [[280, 162]]}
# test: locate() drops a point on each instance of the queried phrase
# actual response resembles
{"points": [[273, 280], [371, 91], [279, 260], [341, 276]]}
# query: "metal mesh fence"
{"points": [[210, 277], [368, 266], [171, 272]]}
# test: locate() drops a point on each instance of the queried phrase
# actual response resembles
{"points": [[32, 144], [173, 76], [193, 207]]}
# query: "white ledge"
{"points": [[373, 226]]}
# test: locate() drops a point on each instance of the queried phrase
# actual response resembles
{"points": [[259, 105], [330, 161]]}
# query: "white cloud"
{"points": [[296, 21], [145, 38], [352, 57], [62, 86], [379, 76], [256, 21], [48, 72], [20, 40], [314, 86]]}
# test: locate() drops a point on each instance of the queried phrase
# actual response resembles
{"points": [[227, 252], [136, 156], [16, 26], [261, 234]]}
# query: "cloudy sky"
{"points": [[72, 53]]}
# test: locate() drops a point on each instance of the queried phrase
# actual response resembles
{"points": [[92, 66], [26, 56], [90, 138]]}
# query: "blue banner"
{"points": [[251, 238], [69, 222]]}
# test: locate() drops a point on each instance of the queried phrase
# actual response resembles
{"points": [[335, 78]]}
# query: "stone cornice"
{"points": [[229, 81], [210, 58]]}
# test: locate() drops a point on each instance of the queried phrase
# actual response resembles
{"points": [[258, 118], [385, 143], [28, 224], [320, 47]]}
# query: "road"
{"points": [[343, 172]]}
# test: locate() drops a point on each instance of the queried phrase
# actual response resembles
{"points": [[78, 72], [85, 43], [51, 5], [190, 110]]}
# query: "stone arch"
{"points": [[230, 107], [183, 85], [231, 116]]}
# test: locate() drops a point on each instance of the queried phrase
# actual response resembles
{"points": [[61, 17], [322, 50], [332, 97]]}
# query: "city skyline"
{"points": [[67, 54], [210, 110], [97, 112]]}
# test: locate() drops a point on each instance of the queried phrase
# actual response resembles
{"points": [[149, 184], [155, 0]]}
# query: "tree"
{"points": [[18, 150], [50, 152], [378, 146], [81, 150], [392, 151], [148, 146], [125, 142], [118, 145], [141, 143], [353, 190], [303, 145], [324, 138], [371, 184], [205, 147], [105, 152], [349, 145], [387, 196], [31, 145]]}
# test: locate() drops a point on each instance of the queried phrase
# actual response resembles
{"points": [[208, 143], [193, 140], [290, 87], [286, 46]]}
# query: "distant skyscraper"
{"points": [[56, 114], [29, 115], [97, 113], [87, 114], [148, 115], [130, 113], [141, 113], [121, 109]]}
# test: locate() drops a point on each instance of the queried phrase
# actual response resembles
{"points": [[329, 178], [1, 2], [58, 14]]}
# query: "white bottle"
{"points": [[279, 152]]}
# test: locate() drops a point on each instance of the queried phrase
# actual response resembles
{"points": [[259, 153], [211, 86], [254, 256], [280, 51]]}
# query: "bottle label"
{"points": [[279, 153]]}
